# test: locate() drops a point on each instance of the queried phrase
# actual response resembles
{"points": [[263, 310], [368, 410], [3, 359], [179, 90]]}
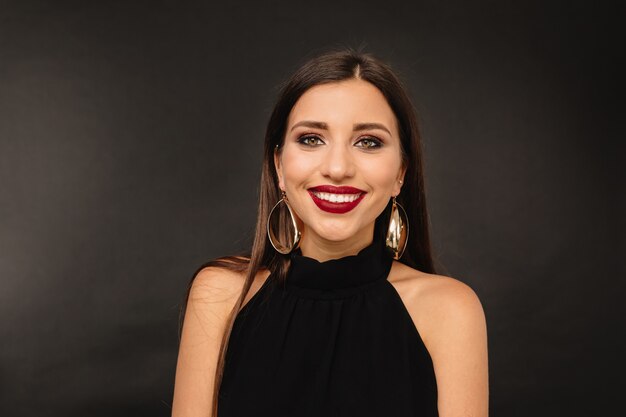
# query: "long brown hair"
{"points": [[328, 68]]}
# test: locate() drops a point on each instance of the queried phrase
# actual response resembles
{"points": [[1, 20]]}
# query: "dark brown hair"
{"points": [[328, 68]]}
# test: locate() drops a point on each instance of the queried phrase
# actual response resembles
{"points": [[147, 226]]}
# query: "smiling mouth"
{"points": [[337, 200]]}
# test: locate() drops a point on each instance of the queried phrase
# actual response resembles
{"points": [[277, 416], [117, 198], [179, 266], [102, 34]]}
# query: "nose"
{"points": [[338, 163]]}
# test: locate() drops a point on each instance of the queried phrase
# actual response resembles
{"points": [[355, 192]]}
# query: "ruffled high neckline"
{"points": [[371, 264]]}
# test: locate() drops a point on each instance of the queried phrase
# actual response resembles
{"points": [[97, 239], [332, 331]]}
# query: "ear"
{"points": [[399, 181], [279, 170]]}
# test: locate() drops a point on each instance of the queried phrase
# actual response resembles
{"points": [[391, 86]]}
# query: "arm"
{"points": [[212, 296], [456, 337]]}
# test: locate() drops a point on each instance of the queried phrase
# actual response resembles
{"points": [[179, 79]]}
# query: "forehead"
{"points": [[344, 103]]}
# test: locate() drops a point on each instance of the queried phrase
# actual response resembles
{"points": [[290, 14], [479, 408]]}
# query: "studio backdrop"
{"points": [[130, 150]]}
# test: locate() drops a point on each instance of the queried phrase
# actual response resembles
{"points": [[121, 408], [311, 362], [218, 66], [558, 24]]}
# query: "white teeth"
{"points": [[337, 198]]}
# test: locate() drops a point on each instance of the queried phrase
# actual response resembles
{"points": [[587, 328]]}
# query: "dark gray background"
{"points": [[130, 145]]}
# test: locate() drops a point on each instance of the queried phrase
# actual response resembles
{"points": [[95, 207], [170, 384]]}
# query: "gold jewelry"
{"points": [[398, 231], [280, 248]]}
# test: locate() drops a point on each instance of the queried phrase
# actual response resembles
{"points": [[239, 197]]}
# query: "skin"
{"points": [[447, 313]]}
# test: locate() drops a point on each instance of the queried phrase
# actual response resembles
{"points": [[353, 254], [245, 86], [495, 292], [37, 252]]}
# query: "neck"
{"points": [[316, 247]]}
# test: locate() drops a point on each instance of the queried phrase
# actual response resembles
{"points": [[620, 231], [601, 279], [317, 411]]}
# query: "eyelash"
{"points": [[303, 140], [377, 143]]}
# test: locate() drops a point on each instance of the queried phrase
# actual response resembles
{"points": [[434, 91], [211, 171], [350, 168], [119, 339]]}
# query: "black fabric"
{"points": [[335, 340]]}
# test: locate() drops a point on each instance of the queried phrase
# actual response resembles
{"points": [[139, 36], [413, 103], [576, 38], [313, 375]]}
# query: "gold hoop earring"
{"points": [[295, 236], [398, 231]]}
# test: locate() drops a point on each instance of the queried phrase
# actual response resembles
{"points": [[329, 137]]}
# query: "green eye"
{"points": [[310, 140], [369, 143]]}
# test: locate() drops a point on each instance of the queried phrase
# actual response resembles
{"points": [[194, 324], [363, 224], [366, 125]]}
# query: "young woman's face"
{"points": [[341, 161]]}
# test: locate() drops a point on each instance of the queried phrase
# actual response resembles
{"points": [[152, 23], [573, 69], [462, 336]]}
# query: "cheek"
{"points": [[383, 173], [296, 167]]}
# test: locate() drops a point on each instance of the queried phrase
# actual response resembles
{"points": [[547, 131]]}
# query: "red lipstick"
{"points": [[337, 200]]}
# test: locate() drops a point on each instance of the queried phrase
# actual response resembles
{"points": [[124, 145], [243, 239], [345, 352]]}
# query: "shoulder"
{"points": [[212, 297], [450, 321], [215, 281], [221, 286], [439, 305]]}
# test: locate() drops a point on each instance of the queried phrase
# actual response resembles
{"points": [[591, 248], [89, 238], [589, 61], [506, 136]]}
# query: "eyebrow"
{"points": [[357, 127], [369, 126]]}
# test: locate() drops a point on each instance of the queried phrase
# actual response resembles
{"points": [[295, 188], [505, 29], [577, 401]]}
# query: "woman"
{"points": [[338, 310]]}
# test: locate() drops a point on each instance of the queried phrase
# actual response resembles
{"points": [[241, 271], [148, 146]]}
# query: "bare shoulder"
{"points": [[433, 287], [222, 286], [450, 320], [213, 294], [437, 303]]}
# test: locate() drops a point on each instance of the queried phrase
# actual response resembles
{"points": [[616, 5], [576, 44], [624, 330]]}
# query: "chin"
{"points": [[335, 232], [335, 237]]}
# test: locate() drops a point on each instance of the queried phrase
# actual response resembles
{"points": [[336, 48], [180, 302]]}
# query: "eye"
{"points": [[369, 142], [310, 140]]}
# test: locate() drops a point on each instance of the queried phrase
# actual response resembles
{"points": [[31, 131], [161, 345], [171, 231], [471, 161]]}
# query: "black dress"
{"points": [[335, 340]]}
